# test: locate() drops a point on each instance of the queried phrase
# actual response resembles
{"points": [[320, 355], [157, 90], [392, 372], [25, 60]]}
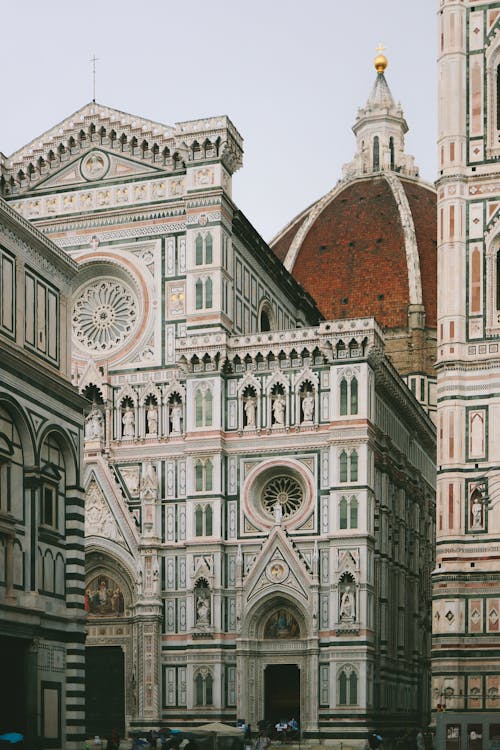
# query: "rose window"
{"points": [[104, 315], [285, 492]]}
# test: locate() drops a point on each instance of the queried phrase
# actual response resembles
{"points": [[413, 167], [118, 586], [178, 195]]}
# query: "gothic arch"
{"points": [[256, 619]]}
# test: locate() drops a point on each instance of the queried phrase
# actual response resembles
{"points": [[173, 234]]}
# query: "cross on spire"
{"points": [[93, 60], [380, 48]]}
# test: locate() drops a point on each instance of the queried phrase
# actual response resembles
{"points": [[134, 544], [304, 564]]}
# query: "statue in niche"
{"points": [[175, 416], [278, 513], [152, 419], [347, 605], [202, 608], [279, 409], [128, 421], [477, 510], [308, 407], [250, 410], [94, 424]]}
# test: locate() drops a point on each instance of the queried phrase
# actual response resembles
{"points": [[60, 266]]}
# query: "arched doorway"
{"points": [[278, 664], [281, 692]]}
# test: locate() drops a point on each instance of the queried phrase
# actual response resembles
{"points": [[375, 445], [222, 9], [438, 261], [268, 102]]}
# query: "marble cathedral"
{"points": [[259, 470]]}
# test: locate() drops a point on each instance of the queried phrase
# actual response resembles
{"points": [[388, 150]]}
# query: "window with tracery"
{"points": [[203, 683], [203, 249], [203, 520], [348, 513], [348, 466], [203, 471], [348, 396], [203, 408], [348, 687]]}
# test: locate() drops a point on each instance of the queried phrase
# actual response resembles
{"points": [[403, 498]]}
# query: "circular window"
{"points": [[104, 315], [284, 491]]}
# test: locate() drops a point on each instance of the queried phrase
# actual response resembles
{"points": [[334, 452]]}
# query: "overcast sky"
{"points": [[290, 74]]}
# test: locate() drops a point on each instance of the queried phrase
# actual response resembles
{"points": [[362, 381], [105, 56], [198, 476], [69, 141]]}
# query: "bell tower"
{"points": [[466, 586]]}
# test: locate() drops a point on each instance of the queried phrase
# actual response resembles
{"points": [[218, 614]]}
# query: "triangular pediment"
{"points": [[96, 165], [278, 568]]}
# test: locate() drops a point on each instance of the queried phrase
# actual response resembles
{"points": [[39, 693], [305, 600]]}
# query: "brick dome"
{"points": [[368, 248]]}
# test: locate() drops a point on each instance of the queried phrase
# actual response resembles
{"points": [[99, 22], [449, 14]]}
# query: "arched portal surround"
{"points": [[278, 629]]}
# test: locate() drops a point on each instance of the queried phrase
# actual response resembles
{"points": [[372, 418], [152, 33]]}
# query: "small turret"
{"points": [[380, 128]]}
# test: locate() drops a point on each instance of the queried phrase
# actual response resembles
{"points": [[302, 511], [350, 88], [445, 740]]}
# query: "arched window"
{"points": [[348, 687], [343, 513], [354, 466], [208, 248], [343, 397], [354, 396], [391, 151], [348, 396], [203, 689], [203, 408], [353, 508], [348, 513], [208, 521], [198, 473], [198, 517], [199, 294], [203, 473], [199, 250], [343, 466], [376, 154], [208, 293]]}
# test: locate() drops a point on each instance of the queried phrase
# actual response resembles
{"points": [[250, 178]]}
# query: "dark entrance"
{"points": [[282, 692], [15, 692], [104, 690]]}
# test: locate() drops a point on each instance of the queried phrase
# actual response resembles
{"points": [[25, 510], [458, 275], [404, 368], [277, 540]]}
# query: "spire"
{"points": [[380, 128]]}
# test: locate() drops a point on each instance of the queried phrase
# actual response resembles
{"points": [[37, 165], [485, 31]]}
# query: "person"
{"points": [[281, 728], [420, 739], [347, 605], [293, 727], [113, 741], [308, 407], [374, 740], [128, 422], [279, 409]]}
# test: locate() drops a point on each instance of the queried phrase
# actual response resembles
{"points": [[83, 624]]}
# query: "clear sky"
{"points": [[290, 74]]}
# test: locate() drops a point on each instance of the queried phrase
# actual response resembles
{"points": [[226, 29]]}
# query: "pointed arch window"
{"points": [[348, 396], [199, 294], [203, 689], [391, 151], [203, 475], [348, 687], [203, 520], [208, 293], [348, 466], [348, 513], [376, 154], [204, 249], [203, 408]]}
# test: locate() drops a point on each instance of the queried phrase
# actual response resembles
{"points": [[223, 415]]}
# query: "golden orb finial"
{"points": [[380, 61]]}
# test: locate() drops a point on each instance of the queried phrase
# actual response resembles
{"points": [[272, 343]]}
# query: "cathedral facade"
{"points": [[466, 656], [259, 477]]}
